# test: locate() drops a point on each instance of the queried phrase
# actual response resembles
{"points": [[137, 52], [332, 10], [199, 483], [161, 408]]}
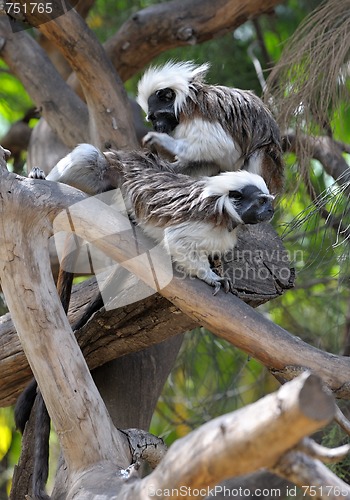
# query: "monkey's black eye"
{"points": [[166, 95], [237, 195], [262, 200]]}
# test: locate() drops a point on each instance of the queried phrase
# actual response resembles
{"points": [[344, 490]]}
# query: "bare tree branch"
{"points": [[44, 84], [224, 315], [312, 476], [161, 27], [83, 7], [237, 443], [329, 153], [110, 334], [342, 421], [45, 335], [109, 111]]}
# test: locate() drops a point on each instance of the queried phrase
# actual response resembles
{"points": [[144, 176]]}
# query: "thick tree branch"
{"points": [[44, 332], [161, 27], [60, 106], [109, 112], [325, 455], [241, 442], [224, 315]]}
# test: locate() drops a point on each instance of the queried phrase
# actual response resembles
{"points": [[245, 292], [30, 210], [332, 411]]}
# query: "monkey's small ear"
{"points": [[237, 195]]}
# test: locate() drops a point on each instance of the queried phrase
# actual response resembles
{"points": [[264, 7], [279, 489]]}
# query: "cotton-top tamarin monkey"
{"points": [[199, 214], [209, 128]]}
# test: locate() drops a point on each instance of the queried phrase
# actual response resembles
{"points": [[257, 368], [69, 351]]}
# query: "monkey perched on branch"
{"points": [[209, 128], [194, 217]]}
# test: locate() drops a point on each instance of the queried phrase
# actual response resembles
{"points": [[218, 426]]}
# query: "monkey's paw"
{"points": [[152, 139], [36, 173], [160, 140], [219, 282], [216, 264]]}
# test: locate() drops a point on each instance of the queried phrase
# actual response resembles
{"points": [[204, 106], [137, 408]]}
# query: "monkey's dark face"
{"points": [[161, 110], [252, 205]]}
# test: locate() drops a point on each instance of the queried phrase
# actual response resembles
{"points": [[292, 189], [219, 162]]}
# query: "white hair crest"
{"points": [[221, 185], [176, 75]]}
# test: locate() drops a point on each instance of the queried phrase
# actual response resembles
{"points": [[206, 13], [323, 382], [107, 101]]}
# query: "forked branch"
{"points": [[234, 444]]}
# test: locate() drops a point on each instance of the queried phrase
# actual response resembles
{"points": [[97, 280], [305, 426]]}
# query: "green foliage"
{"points": [[316, 309], [210, 378], [10, 447], [14, 100]]}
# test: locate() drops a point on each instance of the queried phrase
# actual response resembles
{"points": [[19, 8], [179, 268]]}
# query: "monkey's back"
{"points": [[241, 113], [161, 197]]}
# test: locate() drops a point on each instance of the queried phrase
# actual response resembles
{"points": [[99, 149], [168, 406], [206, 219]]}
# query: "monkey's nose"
{"points": [[161, 126], [269, 214]]}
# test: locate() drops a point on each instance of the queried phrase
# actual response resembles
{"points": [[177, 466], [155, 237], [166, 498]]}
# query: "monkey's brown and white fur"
{"points": [[195, 218], [209, 128]]}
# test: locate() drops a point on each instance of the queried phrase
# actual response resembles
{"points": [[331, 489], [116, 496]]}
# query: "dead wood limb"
{"points": [[109, 111], [58, 364], [28, 61], [166, 25], [224, 315], [312, 476], [109, 335], [325, 455], [46, 337], [259, 269], [255, 436], [259, 435]]}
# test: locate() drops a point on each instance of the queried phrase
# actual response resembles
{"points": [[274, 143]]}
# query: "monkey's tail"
{"points": [[25, 404], [41, 463]]}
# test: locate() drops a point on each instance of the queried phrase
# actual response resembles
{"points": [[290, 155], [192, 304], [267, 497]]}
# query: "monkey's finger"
{"points": [[147, 139], [227, 285]]}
